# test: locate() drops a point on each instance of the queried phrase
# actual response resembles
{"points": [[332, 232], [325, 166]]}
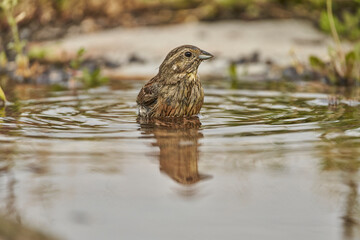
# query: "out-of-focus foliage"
{"points": [[339, 72], [7, 7], [343, 67], [91, 15], [233, 75], [89, 78], [3, 59], [348, 27], [76, 62], [2, 95], [39, 53], [93, 78], [16, 44]]}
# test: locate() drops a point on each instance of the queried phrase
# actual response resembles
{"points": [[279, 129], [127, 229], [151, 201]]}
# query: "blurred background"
{"points": [[42, 19], [290, 35]]}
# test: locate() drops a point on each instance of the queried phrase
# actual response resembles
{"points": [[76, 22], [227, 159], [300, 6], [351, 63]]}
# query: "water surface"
{"points": [[254, 165]]}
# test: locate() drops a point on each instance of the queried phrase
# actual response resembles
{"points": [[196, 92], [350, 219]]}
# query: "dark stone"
{"points": [[53, 76], [133, 58], [252, 58], [290, 73]]}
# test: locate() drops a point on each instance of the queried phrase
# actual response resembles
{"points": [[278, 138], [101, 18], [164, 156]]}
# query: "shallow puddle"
{"points": [[255, 165]]}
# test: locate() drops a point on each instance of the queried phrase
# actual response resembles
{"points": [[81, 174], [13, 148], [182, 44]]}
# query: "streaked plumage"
{"points": [[176, 90]]}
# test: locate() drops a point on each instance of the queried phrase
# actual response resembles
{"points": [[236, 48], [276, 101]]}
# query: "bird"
{"points": [[176, 90]]}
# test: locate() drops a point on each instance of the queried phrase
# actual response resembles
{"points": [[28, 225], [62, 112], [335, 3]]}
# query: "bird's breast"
{"points": [[192, 77], [183, 99]]}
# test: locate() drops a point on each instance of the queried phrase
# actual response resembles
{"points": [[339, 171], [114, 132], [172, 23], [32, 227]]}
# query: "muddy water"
{"points": [[254, 165]]}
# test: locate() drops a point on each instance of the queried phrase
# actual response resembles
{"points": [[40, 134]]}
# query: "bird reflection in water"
{"points": [[178, 141]]}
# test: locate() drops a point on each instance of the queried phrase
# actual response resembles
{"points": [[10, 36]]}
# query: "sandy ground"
{"points": [[227, 40]]}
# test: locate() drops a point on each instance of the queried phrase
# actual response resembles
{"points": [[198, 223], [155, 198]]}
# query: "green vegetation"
{"points": [[89, 78], [344, 67], [37, 53], [17, 45], [13, 12], [10, 10], [93, 78], [77, 61], [347, 24], [3, 59], [233, 76], [2, 95]]}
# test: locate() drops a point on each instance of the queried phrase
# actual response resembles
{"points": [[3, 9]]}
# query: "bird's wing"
{"points": [[148, 94]]}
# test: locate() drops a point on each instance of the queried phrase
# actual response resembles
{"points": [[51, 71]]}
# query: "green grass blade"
{"points": [[2, 95]]}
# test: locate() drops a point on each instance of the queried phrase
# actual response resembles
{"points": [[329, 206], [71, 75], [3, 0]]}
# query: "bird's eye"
{"points": [[188, 54]]}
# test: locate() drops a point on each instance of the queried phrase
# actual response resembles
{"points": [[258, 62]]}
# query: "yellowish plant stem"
{"points": [[332, 23], [14, 29], [341, 65], [2, 95]]}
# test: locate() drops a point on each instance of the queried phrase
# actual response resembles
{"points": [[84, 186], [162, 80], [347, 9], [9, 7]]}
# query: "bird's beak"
{"points": [[205, 55]]}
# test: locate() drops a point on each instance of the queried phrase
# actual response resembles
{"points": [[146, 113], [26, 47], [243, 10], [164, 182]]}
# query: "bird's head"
{"points": [[184, 59]]}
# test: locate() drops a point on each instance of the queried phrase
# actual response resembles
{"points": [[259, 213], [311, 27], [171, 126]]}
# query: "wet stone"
{"points": [[53, 76], [134, 58]]}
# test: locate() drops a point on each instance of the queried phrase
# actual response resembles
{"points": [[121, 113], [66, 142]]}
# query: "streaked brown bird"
{"points": [[176, 90]]}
